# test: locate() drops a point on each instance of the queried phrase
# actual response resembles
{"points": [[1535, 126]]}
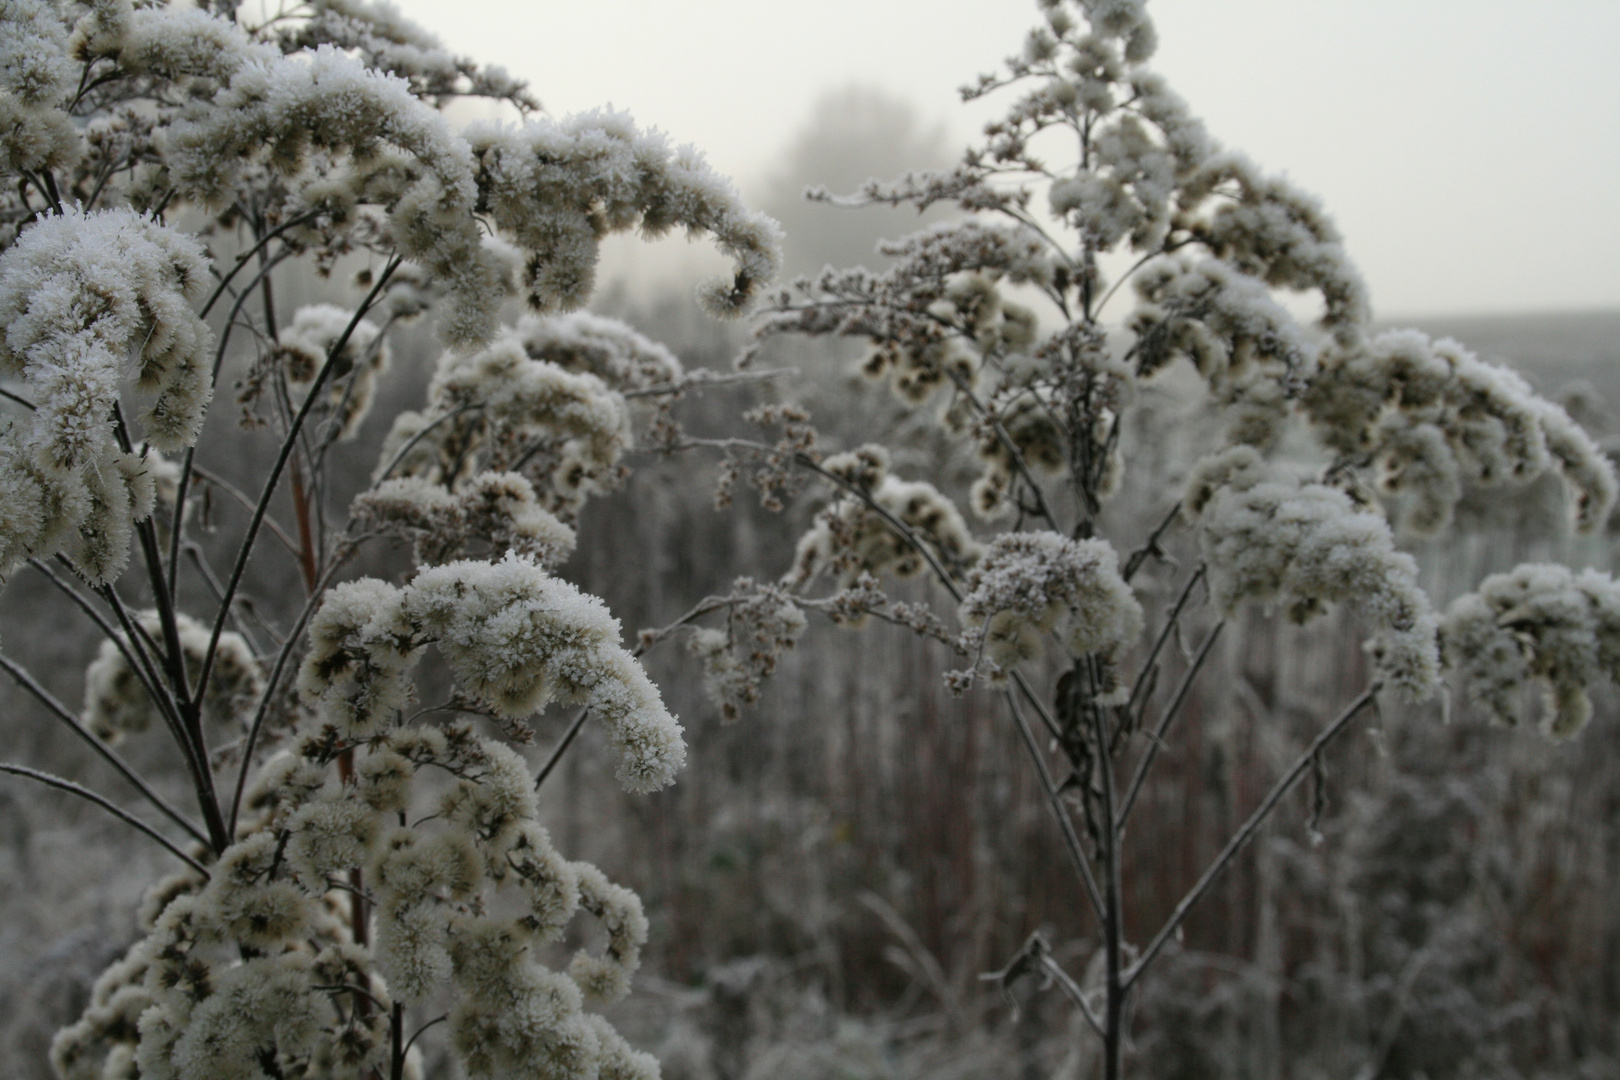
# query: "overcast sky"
{"points": [[1469, 149]]}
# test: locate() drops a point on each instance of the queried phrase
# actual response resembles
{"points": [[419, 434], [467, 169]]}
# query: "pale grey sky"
{"points": [[1469, 149]]}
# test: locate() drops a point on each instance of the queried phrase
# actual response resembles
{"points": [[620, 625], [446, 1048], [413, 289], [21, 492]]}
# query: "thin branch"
{"points": [[700, 377], [1072, 988], [1164, 634], [105, 752], [1114, 921], [288, 445], [241, 498], [562, 747], [1156, 743], [1007, 444], [273, 680], [18, 398], [142, 671], [188, 463], [117, 811], [242, 259], [1054, 798], [194, 552], [410, 443], [144, 649], [1137, 265], [1241, 838], [412, 1041], [1151, 545]]}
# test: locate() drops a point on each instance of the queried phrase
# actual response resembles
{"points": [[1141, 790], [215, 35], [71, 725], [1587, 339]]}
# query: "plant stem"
{"points": [[1246, 833], [111, 808]]}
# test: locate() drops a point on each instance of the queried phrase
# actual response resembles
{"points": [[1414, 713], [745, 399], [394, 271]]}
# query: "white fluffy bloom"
{"points": [[387, 41], [499, 510], [1279, 234], [564, 430], [1269, 538], [36, 74], [1028, 584], [329, 835], [263, 1005], [518, 639], [606, 976], [558, 187], [607, 348], [515, 637], [1240, 339], [361, 647], [1542, 624], [116, 701], [851, 539], [79, 295], [1433, 417]]}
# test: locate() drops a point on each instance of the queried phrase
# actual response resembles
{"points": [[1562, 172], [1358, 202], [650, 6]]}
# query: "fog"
{"points": [[1467, 149]]}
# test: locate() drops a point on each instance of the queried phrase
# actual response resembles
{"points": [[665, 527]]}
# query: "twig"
{"points": [[117, 811], [410, 443], [139, 667], [246, 503], [1164, 634], [1243, 835], [1072, 988], [288, 444], [705, 377], [1054, 798], [273, 680], [1156, 743], [1151, 545], [107, 754], [242, 259], [562, 747]]}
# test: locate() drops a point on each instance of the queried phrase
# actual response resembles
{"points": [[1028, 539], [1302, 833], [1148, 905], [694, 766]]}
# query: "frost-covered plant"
{"points": [[358, 866], [1016, 389], [1541, 624]]}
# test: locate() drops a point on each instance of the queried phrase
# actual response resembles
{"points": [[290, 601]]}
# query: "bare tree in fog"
{"points": [[852, 135]]}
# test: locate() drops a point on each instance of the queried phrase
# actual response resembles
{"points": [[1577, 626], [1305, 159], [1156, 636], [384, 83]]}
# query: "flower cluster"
{"points": [[387, 41], [515, 638], [558, 188], [118, 701], [854, 536], [1431, 417], [761, 624], [1542, 624], [81, 296], [1268, 537], [1241, 341], [494, 510], [377, 862], [1035, 583], [256, 971], [342, 117], [607, 348], [35, 74], [498, 409], [279, 111]]}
